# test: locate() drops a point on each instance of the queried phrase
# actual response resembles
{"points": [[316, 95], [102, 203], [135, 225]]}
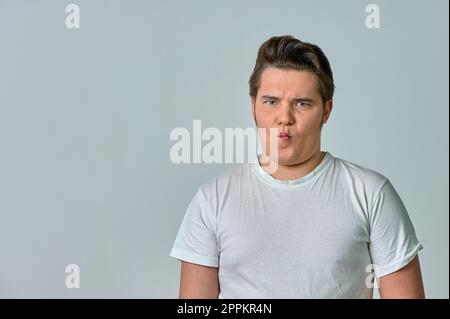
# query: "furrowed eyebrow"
{"points": [[269, 97], [303, 99], [298, 99]]}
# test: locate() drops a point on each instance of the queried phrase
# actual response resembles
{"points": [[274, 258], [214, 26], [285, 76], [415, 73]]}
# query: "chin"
{"points": [[287, 157]]}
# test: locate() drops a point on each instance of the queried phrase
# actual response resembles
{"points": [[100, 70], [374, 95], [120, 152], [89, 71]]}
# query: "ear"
{"points": [[327, 110]]}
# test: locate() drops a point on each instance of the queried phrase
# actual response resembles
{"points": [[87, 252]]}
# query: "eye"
{"points": [[302, 104], [270, 102]]}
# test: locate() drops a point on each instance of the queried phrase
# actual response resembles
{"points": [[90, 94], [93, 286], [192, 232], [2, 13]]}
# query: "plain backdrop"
{"points": [[86, 114]]}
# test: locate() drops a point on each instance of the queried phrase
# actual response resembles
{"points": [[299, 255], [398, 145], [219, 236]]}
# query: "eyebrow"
{"points": [[297, 99]]}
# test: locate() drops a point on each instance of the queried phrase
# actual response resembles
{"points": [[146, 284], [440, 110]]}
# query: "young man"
{"points": [[318, 225]]}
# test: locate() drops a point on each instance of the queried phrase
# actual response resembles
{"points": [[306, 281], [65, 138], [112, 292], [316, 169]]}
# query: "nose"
{"points": [[285, 116]]}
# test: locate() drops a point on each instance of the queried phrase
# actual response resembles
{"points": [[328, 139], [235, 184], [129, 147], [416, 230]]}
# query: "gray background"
{"points": [[85, 117]]}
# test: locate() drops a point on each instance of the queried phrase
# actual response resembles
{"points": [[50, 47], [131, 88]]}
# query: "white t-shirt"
{"points": [[314, 237]]}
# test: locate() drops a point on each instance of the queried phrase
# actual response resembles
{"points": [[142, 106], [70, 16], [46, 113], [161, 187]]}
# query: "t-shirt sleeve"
{"points": [[393, 242], [196, 241]]}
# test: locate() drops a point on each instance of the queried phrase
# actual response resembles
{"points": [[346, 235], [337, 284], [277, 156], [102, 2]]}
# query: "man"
{"points": [[318, 225]]}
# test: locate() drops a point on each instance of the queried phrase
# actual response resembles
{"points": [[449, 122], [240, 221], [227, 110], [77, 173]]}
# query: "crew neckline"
{"points": [[292, 183]]}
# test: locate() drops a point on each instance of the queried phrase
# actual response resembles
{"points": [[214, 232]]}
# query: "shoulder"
{"points": [[362, 183], [227, 178], [216, 189], [359, 175]]}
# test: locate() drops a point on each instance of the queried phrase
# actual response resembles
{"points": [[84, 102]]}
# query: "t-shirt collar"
{"points": [[294, 182]]}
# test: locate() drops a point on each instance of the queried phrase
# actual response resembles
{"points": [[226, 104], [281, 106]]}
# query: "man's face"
{"points": [[289, 101]]}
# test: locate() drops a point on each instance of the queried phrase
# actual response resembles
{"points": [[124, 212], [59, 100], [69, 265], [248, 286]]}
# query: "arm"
{"points": [[198, 282], [404, 283]]}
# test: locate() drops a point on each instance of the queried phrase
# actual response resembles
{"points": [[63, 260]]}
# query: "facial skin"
{"points": [[289, 101]]}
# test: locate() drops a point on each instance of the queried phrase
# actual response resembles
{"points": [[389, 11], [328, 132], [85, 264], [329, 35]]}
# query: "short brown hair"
{"points": [[287, 52]]}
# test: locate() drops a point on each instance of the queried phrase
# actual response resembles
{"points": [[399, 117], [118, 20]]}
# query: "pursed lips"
{"points": [[284, 136]]}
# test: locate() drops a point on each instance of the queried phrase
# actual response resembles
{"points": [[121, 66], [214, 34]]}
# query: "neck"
{"points": [[296, 171]]}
